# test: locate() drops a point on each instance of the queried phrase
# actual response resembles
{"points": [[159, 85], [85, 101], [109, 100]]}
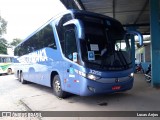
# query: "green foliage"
{"points": [[3, 42], [15, 42], [3, 26], [3, 46]]}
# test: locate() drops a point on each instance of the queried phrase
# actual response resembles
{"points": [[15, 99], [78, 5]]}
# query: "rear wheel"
{"points": [[18, 76], [57, 89], [22, 79]]}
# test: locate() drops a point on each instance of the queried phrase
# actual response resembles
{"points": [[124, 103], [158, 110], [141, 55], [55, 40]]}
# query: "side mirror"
{"points": [[78, 25], [140, 37]]}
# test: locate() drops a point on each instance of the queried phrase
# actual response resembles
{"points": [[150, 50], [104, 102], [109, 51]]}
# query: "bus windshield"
{"points": [[105, 46]]}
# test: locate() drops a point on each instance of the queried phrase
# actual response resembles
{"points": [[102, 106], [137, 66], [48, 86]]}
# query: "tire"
{"points": [[18, 76], [56, 84], [9, 71], [22, 79]]}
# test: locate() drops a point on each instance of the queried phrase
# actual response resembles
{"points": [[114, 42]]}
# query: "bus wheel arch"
{"points": [[53, 74]]}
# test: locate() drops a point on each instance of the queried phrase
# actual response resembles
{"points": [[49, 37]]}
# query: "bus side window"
{"points": [[4, 60], [61, 29], [70, 43]]}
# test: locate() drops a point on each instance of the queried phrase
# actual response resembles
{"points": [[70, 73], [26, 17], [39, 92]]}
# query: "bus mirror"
{"points": [[140, 36], [78, 25]]}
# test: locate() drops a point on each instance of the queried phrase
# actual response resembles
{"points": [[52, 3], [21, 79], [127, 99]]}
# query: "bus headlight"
{"points": [[89, 76], [92, 77], [132, 75]]}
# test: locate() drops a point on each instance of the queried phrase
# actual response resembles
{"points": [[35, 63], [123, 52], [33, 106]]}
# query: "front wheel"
{"points": [[9, 71], [57, 89]]}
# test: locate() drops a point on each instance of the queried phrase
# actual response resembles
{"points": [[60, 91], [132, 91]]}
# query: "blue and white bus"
{"points": [[77, 52]]}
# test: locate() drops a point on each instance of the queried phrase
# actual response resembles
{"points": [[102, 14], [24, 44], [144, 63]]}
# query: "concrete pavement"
{"points": [[141, 98], [33, 97]]}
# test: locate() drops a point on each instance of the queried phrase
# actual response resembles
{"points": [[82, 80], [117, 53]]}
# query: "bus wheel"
{"points": [[18, 76], [56, 84], [9, 71], [22, 79]]}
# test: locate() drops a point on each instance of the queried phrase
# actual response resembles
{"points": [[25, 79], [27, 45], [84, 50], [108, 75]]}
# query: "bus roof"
{"points": [[4, 55]]}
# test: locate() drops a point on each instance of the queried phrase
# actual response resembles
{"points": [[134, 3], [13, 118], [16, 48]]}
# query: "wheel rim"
{"points": [[9, 71], [57, 86]]}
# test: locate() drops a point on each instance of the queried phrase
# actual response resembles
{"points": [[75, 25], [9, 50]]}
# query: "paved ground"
{"points": [[33, 97]]}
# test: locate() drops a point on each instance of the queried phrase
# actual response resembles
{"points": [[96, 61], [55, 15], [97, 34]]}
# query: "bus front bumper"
{"points": [[94, 87]]}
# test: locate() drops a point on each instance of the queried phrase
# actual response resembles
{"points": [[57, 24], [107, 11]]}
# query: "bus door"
{"points": [[72, 82]]}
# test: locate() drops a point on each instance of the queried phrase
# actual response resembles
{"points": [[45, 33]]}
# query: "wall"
{"points": [[143, 55]]}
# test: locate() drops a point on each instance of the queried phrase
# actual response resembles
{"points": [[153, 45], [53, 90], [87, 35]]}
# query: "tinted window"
{"points": [[43, 38], [61, 29], [6, 59], [70, 44]]}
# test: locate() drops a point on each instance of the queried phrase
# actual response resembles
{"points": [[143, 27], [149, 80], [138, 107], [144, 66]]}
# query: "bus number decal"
{"points": [[95, 72]]}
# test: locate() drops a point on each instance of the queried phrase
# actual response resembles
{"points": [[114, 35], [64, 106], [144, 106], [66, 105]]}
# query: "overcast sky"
{"points": [[25, 16]]}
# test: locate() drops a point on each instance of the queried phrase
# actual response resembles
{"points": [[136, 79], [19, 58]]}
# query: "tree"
{"points": [[3, 26], [3, 42], [15, 42], [3, 46]]}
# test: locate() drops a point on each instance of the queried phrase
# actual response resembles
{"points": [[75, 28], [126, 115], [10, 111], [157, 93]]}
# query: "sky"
{"points": [[25, 16]]}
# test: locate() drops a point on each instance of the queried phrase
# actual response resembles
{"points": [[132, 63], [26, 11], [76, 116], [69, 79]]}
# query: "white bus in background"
{"points": [[6, 64]]}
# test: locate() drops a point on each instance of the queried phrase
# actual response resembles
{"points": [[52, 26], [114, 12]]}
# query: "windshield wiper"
{"points": [[122, 59]]}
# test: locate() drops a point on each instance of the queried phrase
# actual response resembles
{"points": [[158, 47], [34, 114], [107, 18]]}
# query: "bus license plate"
{"points": [[116, 87]]}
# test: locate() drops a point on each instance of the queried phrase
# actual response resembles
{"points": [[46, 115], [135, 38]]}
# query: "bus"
{"points": [[6, 64], [78, 52]]}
